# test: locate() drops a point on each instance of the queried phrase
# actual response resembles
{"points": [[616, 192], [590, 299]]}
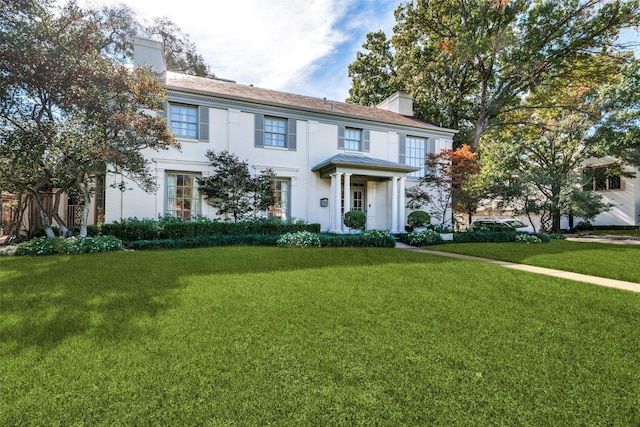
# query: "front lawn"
{"points": [[597, 259], [355, 336]]}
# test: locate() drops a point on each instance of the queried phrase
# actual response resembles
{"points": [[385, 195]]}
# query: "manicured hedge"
{"points": [[492, 237], [370, 239], [147, 229], [178, 230], [204, 241], [367, 239]]}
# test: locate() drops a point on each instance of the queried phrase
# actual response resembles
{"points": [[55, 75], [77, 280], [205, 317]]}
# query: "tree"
{"points": [[180, 53], [372, 72], [232, 190], [536, 158], [466, 62], [62, 124], [451, 183]]}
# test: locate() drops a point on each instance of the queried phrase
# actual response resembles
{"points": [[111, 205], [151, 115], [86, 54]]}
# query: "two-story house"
{"points": [[329, 157]]}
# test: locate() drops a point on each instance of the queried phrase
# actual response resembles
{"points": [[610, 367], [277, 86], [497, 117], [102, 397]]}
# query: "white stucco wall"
{"points": [[233, 129]]}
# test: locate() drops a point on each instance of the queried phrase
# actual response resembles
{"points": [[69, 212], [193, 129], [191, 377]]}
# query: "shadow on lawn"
{"points": [[107, 297]]}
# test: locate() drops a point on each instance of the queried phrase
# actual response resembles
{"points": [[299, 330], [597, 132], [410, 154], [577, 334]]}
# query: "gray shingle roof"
{"points": [[363, 161], [235, 91]]}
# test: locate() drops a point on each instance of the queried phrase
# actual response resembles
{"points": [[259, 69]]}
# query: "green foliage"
{"points": [[424, 238], [527, 238], [133, 229], [67, 110], [205, 241], [371, 238], [355, 219], [232, 190], [299, 239], [418, 219], [484, 236], [59, 245], [465, 63]]}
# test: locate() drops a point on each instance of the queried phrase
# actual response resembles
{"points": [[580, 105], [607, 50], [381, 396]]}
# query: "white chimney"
{"points": [[150, 53], [399, 102]]}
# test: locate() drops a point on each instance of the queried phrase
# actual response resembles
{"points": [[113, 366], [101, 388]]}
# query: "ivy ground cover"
{"points": [[597, 259], [353, 336]]}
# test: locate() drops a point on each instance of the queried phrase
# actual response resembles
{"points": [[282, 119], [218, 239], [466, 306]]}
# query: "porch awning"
{"points": [[361, 165]]}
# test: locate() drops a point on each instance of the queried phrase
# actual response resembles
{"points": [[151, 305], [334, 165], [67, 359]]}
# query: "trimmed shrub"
{"points": [[355, 219], [418, 219], [484, 237], [370, 239], [299, 239], [204, 242], [132, 229], [59, 245], [527, 238], [424, 238]]}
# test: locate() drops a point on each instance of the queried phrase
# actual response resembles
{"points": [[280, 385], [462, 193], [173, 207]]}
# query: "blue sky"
{"points": [[298, 46]]}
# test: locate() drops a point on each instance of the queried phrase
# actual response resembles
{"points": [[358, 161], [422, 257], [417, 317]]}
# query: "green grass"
{"points": [[597, 259], [257, 336], [633, 233]]}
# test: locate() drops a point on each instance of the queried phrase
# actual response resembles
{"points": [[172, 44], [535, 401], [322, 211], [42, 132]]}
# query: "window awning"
{"points": [[361, 165]]}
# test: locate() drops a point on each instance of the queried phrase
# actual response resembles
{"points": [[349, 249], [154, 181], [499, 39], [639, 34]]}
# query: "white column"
{"points": [[394, 204], [347, 197], [336, 222], [401, 204]]}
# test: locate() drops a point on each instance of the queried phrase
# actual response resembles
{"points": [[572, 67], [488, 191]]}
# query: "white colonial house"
{"points": [[329, 157]]}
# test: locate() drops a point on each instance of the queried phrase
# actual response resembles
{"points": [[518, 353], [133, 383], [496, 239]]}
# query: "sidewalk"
{"points": [[602, 281]]}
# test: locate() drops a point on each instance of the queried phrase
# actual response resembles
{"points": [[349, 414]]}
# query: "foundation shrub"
{"points": [[59, 245]]}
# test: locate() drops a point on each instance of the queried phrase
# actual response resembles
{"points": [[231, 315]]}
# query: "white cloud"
{"points": [[276, 44]]}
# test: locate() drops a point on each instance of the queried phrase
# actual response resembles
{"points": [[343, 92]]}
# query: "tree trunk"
{"points": [[86, 195], [56, 205], [555, 221], [46, 224]]}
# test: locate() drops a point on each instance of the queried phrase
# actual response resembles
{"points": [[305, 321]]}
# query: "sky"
{"points": [[297, 46]]}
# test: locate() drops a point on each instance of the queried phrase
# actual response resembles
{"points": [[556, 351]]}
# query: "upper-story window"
{"points": [[277, 132], [602, 178], [353, 139], [184, 121], [413, 151], [415, 155], [188, 121]]}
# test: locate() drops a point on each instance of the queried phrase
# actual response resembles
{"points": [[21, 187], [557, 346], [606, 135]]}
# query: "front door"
{"points": [[357, 197]]}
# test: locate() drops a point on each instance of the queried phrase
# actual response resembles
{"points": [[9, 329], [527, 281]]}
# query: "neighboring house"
{"points": [[603, 176], [622, 192], [329, 157]]}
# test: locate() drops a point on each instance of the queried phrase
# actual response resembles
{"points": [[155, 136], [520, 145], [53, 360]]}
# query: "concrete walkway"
{"points": [[602, 281]]}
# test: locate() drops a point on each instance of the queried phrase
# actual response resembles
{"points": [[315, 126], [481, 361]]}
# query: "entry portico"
{"points": [[346, 169]]}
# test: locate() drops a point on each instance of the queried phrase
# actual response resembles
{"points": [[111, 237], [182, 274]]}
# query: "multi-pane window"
{"points": [[184, 121], [415, 151], [601, 178], [353, 139], [275, 132], [281, 194], [183, 199]]}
